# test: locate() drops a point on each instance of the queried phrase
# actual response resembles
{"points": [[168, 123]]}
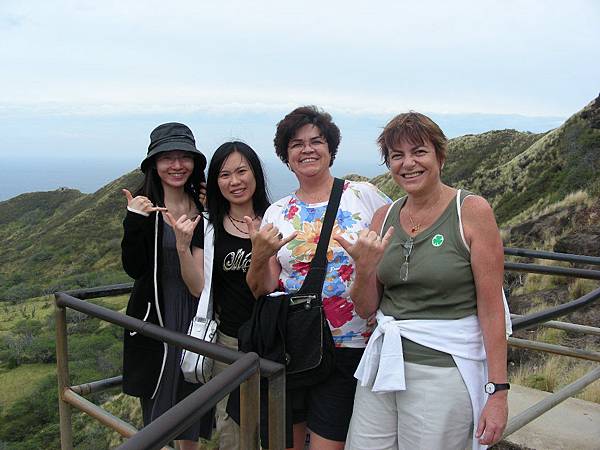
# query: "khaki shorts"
{"points": [[434, 412]]}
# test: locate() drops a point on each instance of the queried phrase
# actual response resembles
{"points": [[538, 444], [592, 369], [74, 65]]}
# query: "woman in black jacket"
{"points": [[162, 249]]}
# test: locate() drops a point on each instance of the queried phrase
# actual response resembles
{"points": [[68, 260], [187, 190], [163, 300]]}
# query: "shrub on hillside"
{"points": [[29, 415]]}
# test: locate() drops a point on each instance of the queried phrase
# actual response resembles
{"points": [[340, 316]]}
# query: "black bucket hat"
{"points": [[172, 136]]}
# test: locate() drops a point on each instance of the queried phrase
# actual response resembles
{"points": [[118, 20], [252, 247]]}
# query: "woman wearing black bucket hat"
{"points": [[162, 250]]}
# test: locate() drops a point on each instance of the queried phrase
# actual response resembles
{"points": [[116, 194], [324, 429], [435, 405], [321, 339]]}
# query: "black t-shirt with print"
{"points": [[232, 297]]}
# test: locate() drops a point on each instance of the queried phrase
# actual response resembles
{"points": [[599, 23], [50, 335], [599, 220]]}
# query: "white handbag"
{"points": [[198, 368]]}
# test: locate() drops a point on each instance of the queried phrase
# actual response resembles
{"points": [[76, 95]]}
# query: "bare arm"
{"points": [[264, 269], [487, 262], [191, 260], [367, 252]]}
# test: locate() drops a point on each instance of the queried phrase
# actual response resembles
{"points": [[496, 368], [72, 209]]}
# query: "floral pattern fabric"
{"points": [[358, 204]]}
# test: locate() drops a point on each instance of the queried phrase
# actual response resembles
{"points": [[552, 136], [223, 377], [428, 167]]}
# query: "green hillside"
{"points": [[65, 239], [520, 173], [62, 239], [545, 189], [28, 397]]}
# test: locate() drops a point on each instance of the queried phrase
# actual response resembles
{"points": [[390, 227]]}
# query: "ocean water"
{"points": [[90, 174], [41, 153]]}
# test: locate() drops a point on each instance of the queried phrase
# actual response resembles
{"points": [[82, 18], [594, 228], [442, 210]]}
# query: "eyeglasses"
{"points": [[406, 249], [314, 143], [169, 158]]}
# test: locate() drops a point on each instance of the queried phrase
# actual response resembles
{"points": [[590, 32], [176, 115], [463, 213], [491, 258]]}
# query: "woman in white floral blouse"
{"points": [[307, 141]]}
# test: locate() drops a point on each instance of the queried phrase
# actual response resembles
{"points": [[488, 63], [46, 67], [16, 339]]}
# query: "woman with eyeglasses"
{"points": [[307, 142], [431, 269], [162, 250]]}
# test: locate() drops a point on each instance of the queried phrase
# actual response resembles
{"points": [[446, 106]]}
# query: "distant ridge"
{"points": [[64, 239], [520, 173]]}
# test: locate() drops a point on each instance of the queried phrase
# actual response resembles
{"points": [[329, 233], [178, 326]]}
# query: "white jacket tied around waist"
{"points": [[382, 366]]}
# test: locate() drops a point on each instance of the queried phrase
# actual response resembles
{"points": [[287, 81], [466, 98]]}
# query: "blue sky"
{"points": [[90, 79]]}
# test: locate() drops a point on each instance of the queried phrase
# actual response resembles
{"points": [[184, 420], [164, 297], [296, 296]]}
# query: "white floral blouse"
{"points": [[357, 206]]}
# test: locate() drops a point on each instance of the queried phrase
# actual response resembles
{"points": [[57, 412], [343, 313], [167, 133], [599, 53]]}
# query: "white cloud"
{"points": [[526, 57]]}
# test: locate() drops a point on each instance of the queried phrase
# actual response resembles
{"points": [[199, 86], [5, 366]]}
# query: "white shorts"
{"points": [[434, 412]]}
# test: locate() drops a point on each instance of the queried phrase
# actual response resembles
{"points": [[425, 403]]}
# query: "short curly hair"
{"points": [[415, 128], [306, 115]]}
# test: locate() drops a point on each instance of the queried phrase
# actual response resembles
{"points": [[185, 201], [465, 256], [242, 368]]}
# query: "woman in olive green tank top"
{"points": [[430, 256]]}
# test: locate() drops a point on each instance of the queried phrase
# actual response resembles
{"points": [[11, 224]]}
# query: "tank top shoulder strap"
{"points": [[461, 194], [393, 206]]}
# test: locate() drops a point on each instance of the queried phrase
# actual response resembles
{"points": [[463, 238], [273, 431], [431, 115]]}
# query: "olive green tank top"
{"points": [[427, 277]]}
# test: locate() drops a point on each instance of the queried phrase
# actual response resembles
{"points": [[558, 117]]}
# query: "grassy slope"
{"points": [[94, 353], [65, 240], [470, 156], [21, 381], [39, 308], [519, 173]]}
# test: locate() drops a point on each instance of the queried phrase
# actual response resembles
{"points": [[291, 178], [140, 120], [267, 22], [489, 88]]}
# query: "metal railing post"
{"points": [[553, 348], [179, 417], [62, 372], [535, 411], [277, 411], [249, 412]]}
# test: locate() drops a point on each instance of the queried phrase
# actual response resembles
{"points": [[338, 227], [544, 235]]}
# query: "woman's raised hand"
{"points": [[368, 248], [184, 230], [140, 203], [267, 240]]}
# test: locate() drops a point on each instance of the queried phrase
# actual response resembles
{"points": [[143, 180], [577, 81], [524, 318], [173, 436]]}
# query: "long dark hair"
{"points": [[216, 204], [151, 186]]}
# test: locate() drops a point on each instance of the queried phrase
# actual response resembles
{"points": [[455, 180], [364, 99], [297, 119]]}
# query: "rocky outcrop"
{"points": [[592, 113], [580, 243]]}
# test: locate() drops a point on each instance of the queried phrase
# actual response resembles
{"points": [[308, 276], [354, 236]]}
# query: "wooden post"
{"points": [[62, 372], [250, 412], [277, 411]]}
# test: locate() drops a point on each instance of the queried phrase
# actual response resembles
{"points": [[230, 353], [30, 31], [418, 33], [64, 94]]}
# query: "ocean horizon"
{"points": [[86, 153], [90, 175]]}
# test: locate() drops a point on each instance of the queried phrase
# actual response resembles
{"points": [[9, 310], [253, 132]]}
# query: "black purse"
{"points": [[309, 347], [291, 329]]}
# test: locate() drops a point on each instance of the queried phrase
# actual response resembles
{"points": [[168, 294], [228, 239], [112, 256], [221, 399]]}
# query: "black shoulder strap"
{"points": [[318, 266]]}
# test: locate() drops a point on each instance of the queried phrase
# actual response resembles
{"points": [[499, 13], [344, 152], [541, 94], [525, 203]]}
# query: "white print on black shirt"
{"points": [[237, 261]]}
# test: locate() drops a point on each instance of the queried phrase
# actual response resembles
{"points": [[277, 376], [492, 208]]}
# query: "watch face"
{"points": [[490, 388]]}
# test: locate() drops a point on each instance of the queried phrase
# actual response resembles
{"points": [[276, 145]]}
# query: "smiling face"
{"points": [[415, 167], [236, 179], [308, 152], [174, 167]]}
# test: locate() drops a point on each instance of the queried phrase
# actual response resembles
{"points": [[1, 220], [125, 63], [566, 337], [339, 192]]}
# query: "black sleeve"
{"points": [[136, 252], [198, 237]]}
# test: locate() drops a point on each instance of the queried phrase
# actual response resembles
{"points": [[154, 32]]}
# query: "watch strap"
{"points": [[497, 387]]}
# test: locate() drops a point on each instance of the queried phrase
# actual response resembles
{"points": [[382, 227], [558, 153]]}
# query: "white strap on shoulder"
{"points": [[155, 273], [387, 213], [205, 302], [460, 224]]}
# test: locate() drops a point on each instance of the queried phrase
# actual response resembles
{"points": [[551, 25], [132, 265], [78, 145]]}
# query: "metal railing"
{"points": [[544, 318], [245, 371]]}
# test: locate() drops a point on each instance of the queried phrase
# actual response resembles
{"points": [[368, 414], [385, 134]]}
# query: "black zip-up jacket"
{"points": [[143, 357]]}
